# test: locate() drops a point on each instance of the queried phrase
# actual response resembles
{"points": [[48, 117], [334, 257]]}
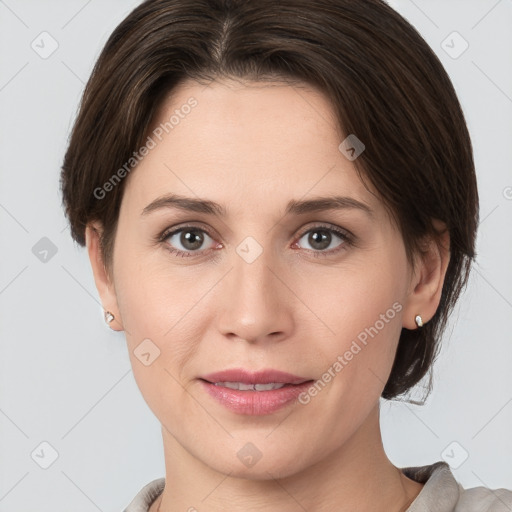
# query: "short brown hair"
{"points": [[384, 82]]}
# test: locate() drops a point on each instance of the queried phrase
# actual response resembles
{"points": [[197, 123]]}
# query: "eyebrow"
{"points": [[294, 207]]}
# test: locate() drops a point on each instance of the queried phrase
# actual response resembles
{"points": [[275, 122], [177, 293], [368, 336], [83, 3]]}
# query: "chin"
{"points": [[249, 463]]}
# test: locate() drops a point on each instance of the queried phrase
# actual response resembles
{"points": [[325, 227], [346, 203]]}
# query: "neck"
{"points": [[356, 476]]}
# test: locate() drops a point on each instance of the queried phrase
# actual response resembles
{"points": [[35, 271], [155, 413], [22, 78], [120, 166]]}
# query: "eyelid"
{"points": [[330, 227], [180, 227]]}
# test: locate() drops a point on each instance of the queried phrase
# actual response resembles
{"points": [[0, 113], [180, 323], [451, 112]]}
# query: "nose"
{"points": [[256, 305]]}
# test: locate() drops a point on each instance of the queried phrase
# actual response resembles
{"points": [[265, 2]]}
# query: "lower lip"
{"points": [[255, 402]]}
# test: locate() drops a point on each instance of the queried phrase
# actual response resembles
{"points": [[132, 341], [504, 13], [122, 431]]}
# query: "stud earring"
{"points": [[108, 317], [419, 321]]}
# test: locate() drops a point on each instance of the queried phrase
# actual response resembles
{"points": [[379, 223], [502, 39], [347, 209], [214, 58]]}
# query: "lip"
{"points": [[255, 403], [260, 377]]}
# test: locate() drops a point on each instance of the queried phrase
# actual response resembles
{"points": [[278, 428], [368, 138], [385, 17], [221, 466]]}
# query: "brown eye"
{"points": [[319, 239], [322, 240], [191, 240], [185, 240]]}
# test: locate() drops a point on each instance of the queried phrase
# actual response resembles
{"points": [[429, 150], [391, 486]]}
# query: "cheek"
{"points": [[362, 306], [160, 337], [149, 298], [161, 314]]}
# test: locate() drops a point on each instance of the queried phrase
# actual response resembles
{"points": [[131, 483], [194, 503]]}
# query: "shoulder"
{"points": [[146, 496], [482, 499], [441, 492]]}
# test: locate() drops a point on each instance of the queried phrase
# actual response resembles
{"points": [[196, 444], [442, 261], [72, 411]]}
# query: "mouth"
{"points": [[241, 386], [254, 393], [246, 380]]}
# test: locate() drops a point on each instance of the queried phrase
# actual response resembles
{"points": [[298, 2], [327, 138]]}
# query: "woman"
{"points": [[279, 203]]}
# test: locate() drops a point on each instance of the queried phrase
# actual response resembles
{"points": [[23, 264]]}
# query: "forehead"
{"points": [[251, 142]]}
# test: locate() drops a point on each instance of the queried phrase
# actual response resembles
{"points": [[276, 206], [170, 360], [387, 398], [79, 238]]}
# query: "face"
{"points": [[259, 282]]}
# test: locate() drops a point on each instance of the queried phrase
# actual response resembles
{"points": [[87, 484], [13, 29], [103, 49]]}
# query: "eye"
{"points": [[321, 238], [188, 241], [190, 238]]}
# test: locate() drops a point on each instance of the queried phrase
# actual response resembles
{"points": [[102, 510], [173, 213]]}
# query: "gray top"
{"points": [[441, 493]]}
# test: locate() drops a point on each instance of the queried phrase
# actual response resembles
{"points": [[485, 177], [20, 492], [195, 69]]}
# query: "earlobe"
{"points": [[103, 282], [428, 279]]}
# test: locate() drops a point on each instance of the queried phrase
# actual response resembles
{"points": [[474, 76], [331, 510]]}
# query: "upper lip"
{"points": [[249, 377]]}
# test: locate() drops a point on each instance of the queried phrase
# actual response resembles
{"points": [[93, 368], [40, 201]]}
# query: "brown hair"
{"points": [[384, 82]]}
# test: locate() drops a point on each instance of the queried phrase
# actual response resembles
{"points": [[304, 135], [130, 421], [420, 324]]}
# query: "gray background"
{"points": [[65, 378]]}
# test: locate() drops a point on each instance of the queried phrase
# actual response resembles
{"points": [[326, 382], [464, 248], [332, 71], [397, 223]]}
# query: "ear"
{"points": [[104, 284], [428, 278]]}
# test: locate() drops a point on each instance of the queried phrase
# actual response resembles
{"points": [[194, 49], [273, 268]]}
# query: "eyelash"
{"points": [[346, 237]]}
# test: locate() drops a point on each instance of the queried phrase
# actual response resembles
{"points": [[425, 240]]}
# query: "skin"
{"points": [[252, 147]]}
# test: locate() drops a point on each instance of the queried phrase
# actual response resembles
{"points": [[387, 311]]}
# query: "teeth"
{"points": [[251, 387]]}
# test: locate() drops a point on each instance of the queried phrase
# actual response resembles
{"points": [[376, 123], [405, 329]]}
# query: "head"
{"points": [[248, 108]]}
